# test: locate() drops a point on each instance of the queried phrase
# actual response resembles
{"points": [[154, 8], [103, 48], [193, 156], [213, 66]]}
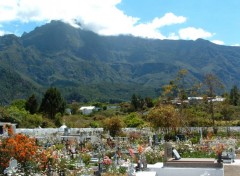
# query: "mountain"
{"points": [[90, 67]]}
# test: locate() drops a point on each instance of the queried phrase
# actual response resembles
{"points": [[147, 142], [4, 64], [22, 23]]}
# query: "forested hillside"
{"points": [[87, 67]]}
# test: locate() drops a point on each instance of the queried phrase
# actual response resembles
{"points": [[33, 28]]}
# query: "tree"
{"points": [[31, 104], [164, 116], [176, 87], [227, 111], [168, 91], [137, 102], [52, 103], [213, 85], [19, 103], [113, 125], [149, 102], [133, 120], [234, 96], [180, 83]]}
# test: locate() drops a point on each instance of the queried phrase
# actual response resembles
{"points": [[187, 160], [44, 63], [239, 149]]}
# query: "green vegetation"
{"points": [[87, 67], [164, 112], [144, 78]]}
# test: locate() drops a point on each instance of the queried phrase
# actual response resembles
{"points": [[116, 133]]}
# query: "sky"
{"points": [[215, 20]]}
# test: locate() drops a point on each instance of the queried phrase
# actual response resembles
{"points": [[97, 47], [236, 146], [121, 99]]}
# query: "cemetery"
{"points": [[92, 151]]}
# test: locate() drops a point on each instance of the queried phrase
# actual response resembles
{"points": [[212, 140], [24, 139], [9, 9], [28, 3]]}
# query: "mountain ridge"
{"points": [[81, 62]]}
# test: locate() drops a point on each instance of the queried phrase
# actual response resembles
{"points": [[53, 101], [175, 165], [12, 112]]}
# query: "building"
{"points": [[86, 110]]}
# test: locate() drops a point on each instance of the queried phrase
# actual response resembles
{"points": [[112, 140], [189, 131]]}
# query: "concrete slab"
{"points": [[232, 169], [193, 163]]}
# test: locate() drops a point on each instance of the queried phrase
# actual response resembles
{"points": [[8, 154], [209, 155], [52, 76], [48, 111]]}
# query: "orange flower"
{"points": [[22, 148], [218, 149], [140, 149]]}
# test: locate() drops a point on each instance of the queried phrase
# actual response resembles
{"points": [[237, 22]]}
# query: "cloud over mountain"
{"points": [[101, 16]]}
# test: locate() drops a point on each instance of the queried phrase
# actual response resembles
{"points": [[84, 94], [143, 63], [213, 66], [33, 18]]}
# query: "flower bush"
{"points": [[154, 156], [218, 148], [24, 150], [106, 162]]}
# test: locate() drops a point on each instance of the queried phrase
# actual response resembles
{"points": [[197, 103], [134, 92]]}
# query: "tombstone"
{"points": [[167, 151], [13, 166], [66, 131], [131, 170], [144, 163], [177, 139], [115, 159], [1, 130], [162, 138], [79, 163], [176, 154], [49, 169], [155, 139], [201, 136], [150, 141], [61, 173], [100, 167], [138, 167]]}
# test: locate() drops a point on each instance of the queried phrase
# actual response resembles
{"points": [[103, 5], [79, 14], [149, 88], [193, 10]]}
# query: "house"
{"points": [[86, 110], [217, 99]]}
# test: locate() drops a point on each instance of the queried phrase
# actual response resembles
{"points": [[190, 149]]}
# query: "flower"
{"points": [[107, 160], [131, 152], [218, 148], [140, 149]]}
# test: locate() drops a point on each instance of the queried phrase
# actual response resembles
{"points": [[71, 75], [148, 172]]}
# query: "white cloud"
{"points": [[151, 30], [173, 36], [8, 10], [2, 33], [236, 44], [192, 33], [101, 16], [218, 42]]}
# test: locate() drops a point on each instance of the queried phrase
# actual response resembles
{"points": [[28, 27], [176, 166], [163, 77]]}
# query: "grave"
{"points": [[13, 167], [228, 157], [173, 159]]}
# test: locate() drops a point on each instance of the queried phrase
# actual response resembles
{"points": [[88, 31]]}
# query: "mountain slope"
{"points": [[86, 66]]}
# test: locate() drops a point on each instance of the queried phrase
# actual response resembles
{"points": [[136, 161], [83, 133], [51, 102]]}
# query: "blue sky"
{"points": [[214, 20]]}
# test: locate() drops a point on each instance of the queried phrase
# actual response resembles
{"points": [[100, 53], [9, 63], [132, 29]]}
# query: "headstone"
{"points": [[144, 163], [13, 166], [131, 170], [100, 167], [176, 154], [167, 151], [138, 167], [201, 137], [162, 138], [62, 173], [150, 140], [177, 139], [155, 139]]}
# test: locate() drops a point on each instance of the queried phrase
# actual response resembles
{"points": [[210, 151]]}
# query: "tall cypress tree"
{"points": [[234, 96], [31, 104], [52, 103]]}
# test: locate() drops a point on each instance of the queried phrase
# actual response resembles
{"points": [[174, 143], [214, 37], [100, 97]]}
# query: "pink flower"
{"points": [[131, 152], [107, 160]]}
